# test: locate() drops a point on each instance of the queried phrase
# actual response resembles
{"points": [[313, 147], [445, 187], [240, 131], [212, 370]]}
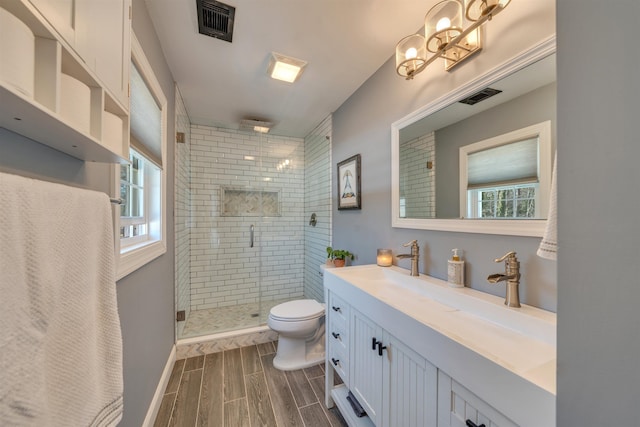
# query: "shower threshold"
{"points": [[222, 319]]}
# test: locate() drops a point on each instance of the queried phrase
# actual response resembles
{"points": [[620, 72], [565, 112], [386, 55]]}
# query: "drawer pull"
{"points": [[336, 336], [381, 347], [472, 424], [335, 361], [334, 308]]}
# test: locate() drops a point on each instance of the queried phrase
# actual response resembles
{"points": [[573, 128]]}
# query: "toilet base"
{"points": [[293, 354]]}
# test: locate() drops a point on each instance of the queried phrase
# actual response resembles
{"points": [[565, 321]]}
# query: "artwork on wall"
{"points": [[349, 183]]}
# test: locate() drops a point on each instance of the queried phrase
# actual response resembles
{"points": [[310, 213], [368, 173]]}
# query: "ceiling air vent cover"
{"points": [[480, 96], [215, 19]]}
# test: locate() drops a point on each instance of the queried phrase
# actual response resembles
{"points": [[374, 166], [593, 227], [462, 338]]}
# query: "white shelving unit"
{"points": [[39, 118]]}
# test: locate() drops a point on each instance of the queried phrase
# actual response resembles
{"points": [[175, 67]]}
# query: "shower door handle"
{"points": [[251, 236]]}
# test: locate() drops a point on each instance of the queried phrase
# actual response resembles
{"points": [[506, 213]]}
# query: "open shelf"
{"points": [[41, 117]]}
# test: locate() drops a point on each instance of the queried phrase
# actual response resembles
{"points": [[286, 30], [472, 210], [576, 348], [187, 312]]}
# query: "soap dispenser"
{"points": [[456, 270]]}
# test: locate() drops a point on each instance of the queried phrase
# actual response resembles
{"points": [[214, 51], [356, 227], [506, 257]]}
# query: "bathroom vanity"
{"points": [[415, 352]]}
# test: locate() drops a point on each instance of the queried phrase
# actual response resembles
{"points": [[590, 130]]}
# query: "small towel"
{"points": [[549, 245], [60, 338]]}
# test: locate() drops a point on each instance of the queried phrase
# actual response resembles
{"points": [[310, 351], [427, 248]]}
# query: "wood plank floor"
{"points": [[241, 387]]}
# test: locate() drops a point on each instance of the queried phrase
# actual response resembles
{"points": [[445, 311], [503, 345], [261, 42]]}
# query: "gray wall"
{"points": [[145, 297], [598, 268], [363, 125], [534, 107]]}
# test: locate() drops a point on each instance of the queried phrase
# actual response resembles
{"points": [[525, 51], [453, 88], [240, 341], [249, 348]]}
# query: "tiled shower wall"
{"points": [[317, 199], [182, 212], [225, 270], [417, 182]]}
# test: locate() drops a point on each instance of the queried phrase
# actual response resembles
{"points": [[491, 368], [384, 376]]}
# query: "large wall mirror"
{"points": [[479, 160]]}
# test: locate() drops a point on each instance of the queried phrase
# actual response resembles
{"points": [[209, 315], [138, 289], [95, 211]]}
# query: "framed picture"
{"points": [[349, 183]]}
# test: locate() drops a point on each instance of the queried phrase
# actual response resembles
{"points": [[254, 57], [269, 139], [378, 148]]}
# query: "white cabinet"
{"points": [[66, 88], [61, 14], [99, 31], [394, 384], [457, 406], [103, 40]]}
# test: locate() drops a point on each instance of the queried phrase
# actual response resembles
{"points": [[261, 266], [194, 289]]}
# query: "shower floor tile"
{"points": [[222, 319]]}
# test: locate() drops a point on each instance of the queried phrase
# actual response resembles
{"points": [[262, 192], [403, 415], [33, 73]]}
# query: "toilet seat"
{"points": [[296, 311]]}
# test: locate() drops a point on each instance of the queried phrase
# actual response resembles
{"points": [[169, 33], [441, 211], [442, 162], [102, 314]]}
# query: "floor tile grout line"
{"points": [[200, 390], [175, 398], [264, 375]]}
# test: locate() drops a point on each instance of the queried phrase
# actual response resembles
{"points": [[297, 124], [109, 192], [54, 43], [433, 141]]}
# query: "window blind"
{"points": [[145, 118], [512, 163]]}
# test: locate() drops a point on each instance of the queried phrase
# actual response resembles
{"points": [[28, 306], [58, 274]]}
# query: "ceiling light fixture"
{"points": [[285, 68], [260, 126], [452, 32]]}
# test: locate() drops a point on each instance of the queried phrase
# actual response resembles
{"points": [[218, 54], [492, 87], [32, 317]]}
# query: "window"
{"points": [[507, 176], [142, 183], [510, 201]]}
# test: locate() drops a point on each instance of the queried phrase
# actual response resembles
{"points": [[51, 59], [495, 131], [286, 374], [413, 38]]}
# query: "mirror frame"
{"points": [[531, 228]]}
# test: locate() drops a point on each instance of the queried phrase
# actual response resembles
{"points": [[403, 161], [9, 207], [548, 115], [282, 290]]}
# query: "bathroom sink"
{"points": [[392, 283]]}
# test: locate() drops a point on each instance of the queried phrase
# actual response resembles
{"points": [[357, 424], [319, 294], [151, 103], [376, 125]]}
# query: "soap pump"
{"points": [[456, 270]]}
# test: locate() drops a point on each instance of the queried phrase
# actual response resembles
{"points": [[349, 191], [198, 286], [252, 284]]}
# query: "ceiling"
{"points": [[222, 83]]}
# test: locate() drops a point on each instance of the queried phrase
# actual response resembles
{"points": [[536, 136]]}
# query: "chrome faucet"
{"points": [[414, 255], [511, 276]]}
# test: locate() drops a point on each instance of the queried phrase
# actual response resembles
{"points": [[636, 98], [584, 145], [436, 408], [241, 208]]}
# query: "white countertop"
{"points": [[521, 340]]}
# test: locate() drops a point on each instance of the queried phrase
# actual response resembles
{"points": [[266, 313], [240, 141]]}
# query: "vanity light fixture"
{"points": [[452, 32], [285, 68]]}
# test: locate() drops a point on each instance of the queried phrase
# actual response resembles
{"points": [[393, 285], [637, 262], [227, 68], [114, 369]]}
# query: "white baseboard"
{"points": [[154, 407]]}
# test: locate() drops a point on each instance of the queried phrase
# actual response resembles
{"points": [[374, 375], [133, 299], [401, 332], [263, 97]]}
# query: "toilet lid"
{"points": [[302, 309]]}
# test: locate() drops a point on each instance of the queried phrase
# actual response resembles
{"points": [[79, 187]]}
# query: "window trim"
{"points": [[134, 256]]}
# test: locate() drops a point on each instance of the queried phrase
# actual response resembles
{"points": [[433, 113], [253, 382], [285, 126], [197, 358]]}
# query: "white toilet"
{"points": [[300, 326]]}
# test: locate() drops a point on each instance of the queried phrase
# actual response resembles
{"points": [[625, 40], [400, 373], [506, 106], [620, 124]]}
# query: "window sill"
{"points": [[136, 256]]}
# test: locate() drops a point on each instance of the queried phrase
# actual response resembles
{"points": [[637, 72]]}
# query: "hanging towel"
{"points": [[60, 338], [549, 245]]}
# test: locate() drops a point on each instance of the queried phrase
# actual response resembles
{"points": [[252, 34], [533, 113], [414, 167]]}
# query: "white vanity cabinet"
{"points": [[79, 104], [457, 405], [411, 360], [393, 384]]}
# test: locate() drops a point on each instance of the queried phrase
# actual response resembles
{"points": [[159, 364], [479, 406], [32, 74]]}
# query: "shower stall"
{"points": [[242, 244]]}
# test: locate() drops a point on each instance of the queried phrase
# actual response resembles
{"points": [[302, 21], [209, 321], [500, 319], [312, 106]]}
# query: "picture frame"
{"points": [[349, 183]]}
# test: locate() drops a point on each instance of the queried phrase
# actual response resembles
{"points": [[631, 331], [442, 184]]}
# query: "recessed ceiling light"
{"points": [[285, 68]]}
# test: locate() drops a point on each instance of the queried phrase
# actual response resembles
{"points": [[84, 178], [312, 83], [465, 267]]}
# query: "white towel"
{"points": [[60, 338], [549, 245]]}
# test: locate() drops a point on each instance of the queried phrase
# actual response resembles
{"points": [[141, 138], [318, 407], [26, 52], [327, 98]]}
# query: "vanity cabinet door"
{"points": [[456, 405], [410, 398], [366, 365]]}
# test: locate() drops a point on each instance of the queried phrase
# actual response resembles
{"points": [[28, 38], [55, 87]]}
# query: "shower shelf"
{"points": [[249, 202]]}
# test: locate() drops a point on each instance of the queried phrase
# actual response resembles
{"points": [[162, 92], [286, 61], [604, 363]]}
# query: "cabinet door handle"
{"points": [[335, 361], [374, 342], [336, 336], [380, 348], [334, 308], [472, 424]]}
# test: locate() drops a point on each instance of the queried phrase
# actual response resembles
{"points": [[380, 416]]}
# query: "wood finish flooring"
{"points": [[241, 387]]}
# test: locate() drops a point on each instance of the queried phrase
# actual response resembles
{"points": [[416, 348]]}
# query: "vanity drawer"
{"points": [[338, 310], [338, 335], [338, 359]]}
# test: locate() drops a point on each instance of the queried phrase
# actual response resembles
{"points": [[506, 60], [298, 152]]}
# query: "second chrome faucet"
{"points": [[414, 256]]}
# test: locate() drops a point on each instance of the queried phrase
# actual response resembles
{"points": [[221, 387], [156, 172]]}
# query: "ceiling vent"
{"points": [[480, 96], [215, 19]]}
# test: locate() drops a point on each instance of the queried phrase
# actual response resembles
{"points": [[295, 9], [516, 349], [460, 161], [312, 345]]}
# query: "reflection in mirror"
{"points": [[503, 135]]}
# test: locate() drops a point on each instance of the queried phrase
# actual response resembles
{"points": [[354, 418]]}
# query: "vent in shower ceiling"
{"points": [[480, 96], [215, 19]]}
